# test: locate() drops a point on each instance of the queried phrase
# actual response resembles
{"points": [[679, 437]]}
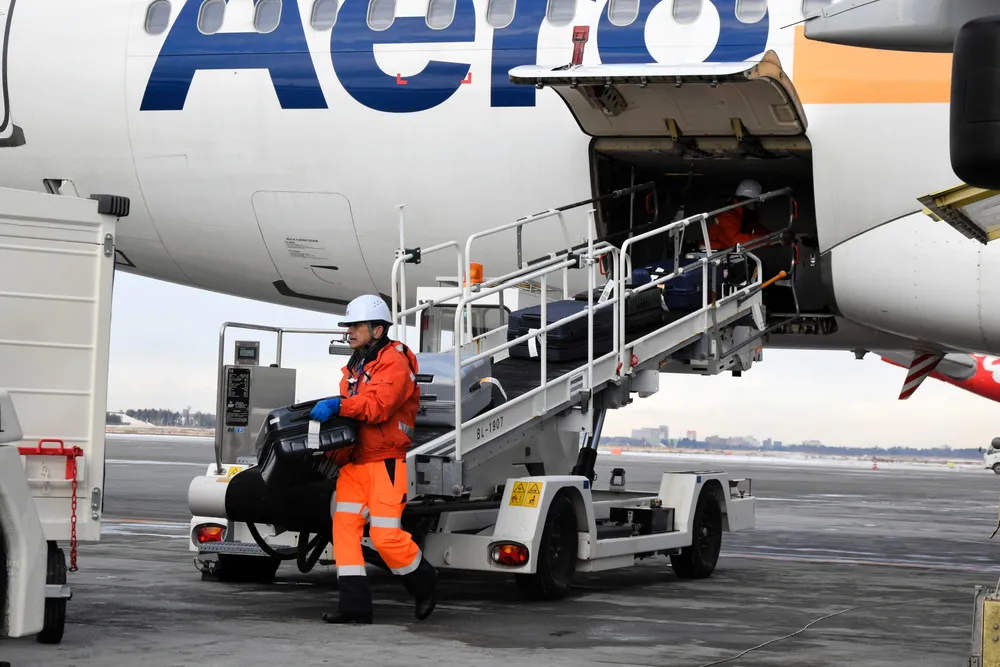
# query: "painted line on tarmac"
{"points": [[856, 561], [145, 528], [147, 462]]}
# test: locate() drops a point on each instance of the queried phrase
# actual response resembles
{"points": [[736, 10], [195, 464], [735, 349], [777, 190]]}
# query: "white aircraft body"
{"points": [[265, 145]]}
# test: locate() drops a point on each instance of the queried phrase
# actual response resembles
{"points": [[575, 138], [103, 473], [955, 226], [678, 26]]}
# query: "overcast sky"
{"points": [[165, 345]]}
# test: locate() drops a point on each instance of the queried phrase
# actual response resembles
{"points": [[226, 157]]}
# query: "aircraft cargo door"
{"points": [[731, 100], [311, 239]]}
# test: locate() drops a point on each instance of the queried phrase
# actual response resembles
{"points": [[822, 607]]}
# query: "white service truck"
{"points": [[57, 261], [991, 458]]}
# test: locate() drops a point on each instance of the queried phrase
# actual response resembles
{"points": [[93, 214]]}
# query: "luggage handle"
{"points": [[424, 378], [303, 409]]}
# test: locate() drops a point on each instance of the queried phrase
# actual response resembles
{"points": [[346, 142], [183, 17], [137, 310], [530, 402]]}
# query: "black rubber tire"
{"points": [[55, 608], [247, 569], [698, 561], [556, 558], [996, 468]]}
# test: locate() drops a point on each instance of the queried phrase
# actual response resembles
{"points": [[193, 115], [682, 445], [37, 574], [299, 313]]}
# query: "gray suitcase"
{"points": [[436, 378]]}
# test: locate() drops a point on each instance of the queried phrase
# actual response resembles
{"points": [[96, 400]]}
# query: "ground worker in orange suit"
{"points": [[738, 225], [379, 390]]}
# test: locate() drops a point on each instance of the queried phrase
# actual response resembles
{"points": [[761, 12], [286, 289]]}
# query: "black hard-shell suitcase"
{"points": [[567, 342], [284, 452]]}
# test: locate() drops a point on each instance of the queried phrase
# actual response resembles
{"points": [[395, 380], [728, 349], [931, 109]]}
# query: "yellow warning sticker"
{"points": [[532, 494], [517, 495], [232, 472]]}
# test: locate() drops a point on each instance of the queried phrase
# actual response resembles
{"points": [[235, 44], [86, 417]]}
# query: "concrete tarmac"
{"points": [[847, 566]]}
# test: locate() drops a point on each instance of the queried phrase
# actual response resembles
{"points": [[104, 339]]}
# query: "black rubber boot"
{"points": [[355, 603], [422, 585]]}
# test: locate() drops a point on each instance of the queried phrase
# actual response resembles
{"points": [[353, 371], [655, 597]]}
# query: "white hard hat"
{"points": [[749, 188], [367, 308]]}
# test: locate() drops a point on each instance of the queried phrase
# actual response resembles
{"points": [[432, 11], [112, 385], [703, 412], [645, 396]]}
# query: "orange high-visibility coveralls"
{"points": [[383, 396], [726, 230]]}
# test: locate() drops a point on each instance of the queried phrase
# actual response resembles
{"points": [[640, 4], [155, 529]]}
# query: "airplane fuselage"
{"points": [[269, 164]]}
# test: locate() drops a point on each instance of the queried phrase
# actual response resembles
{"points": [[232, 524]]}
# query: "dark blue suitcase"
{"points": [[682, 292], [564, 343], [642, 310]]}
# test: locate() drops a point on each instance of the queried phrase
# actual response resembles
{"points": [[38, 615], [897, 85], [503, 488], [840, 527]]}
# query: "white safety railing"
{"points": [[405, 255], [704, 264], [465, 287], [586, 256], [541, 271]]}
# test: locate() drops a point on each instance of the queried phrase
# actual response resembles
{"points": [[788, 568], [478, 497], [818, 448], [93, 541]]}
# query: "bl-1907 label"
{"points": [[491, 426]]}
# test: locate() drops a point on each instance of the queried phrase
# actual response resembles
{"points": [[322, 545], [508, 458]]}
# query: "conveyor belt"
{"points": [[519, 376]]}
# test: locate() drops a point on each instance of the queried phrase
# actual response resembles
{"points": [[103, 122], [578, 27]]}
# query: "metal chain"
{"points": [[72, 523]]}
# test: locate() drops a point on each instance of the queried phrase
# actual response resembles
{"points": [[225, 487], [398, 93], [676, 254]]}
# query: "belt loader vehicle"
{"points": [[511, 489]]}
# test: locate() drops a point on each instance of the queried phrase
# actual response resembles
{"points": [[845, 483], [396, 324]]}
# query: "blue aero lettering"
{"points": [[284, 53]]}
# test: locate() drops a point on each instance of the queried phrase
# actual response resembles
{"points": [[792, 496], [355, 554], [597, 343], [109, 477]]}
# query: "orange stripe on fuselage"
{"points": [[833, 74]]}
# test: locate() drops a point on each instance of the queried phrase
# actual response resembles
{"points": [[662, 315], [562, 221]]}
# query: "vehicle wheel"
{"points": [[247, 569], [698, 560], [55, 608], [556, 558], [996, 468]]}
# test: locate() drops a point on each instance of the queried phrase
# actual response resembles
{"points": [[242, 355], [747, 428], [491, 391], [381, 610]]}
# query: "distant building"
{"points": [[651, 436]]}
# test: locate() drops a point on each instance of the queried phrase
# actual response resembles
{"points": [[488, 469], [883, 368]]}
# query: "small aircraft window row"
{"points": [[441, 13]]}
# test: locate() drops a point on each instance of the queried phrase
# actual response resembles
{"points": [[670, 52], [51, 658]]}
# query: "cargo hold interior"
{"points": [[697, 175]]}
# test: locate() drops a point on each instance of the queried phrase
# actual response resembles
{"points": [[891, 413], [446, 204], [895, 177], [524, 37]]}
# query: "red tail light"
{"points": [[209, 533], [509, 554]]}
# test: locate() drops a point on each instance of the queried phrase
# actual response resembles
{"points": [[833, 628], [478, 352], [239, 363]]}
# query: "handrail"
{"points": [[399, 281], [584, 261], [702, 263], [220, 400], [585, 256]]}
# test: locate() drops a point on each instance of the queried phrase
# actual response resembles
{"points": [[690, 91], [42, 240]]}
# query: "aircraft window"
{"points": [[211, 15], [157, 16], [499, 13], [561, 12], [381, 14], [324, 14], [687, 11], [267, 16], [623, 12], [750, 11], [440, 13], [810, 6]]}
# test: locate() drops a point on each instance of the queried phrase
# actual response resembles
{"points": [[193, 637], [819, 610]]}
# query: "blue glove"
{"points": [[323, 410]]}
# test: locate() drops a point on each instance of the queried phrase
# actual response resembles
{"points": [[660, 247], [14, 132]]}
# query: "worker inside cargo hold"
{"points": [[737, 225], [379, 391]]}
